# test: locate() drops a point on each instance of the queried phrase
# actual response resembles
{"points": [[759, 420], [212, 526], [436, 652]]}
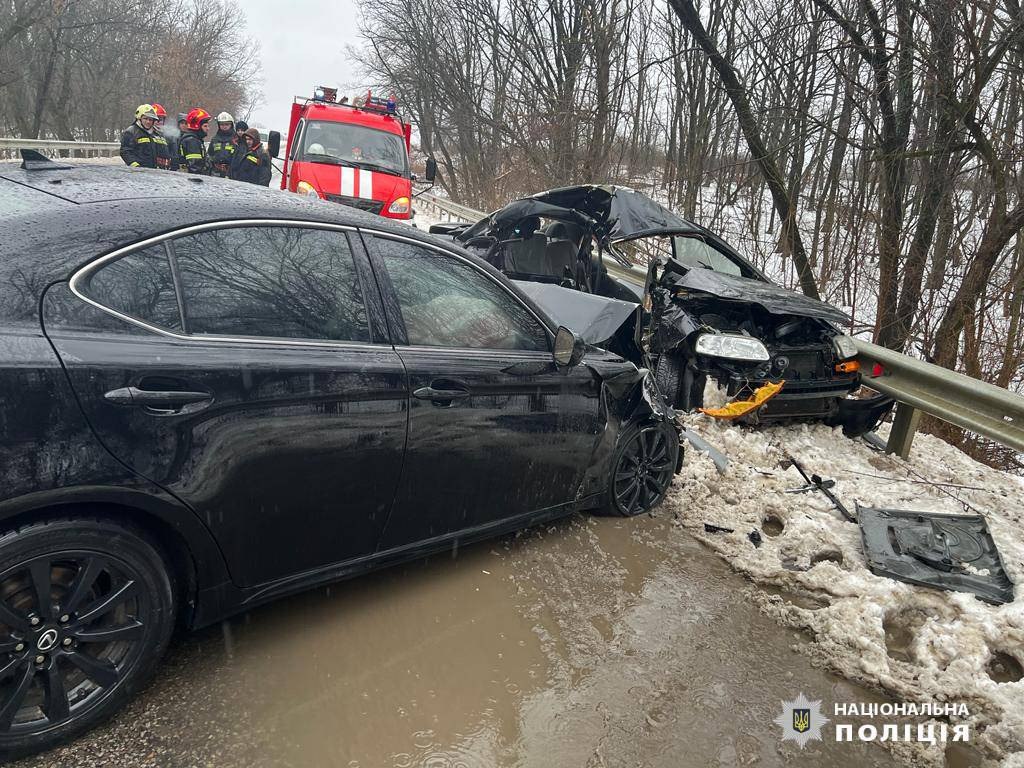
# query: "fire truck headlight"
{"points": [[400, 205], [307, 189]]}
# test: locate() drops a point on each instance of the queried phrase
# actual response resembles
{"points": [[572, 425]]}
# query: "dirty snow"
{"points": [[918, 644]]}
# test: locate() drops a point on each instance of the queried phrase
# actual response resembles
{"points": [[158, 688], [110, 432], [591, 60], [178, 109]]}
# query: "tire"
{"points": [[668, 372], [67, 666], [645, 461]]}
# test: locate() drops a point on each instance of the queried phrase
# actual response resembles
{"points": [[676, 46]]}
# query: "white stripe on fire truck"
{"points": [[348, 182], [365, 184]]}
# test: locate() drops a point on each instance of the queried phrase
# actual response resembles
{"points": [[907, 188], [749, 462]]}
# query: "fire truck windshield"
{"points": [[355, 145]]}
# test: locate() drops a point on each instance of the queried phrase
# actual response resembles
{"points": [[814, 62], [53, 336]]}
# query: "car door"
{"points": [[247, 370], [496, 431]]}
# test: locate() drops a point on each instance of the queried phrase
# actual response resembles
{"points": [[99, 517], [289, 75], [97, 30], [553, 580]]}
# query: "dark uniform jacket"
{"points": [[192, 152], [137, 147], [163, 149], [253, 167], [223, 152]]}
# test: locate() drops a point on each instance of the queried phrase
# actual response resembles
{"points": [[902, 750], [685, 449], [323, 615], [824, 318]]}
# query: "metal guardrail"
{"points": [[9, 147], [917, 386], [448, 210]]}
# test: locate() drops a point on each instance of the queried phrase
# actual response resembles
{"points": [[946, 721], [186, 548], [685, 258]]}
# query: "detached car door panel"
{"points": [[496, 431], [246, 370]]}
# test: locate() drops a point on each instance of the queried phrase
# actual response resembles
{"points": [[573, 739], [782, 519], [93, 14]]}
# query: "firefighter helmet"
{"points": [[161, 113], [195, 119], [145, 110], [225, 117]]}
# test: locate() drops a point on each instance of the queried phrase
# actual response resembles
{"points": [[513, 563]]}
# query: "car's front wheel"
{"points": [[86, 611], [644, 464]]}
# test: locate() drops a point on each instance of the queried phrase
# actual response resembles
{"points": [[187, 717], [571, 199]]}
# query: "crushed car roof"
{"points": [[616, 213]]}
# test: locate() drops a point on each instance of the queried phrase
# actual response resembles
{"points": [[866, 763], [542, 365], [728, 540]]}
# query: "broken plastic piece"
{"points": [[954, 552], [720, 460], [755, 537], [709, 528], [738, 408]]}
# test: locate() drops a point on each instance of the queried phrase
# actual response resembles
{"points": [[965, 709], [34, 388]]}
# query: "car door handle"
{"points": [[440, 396], [154, 398]]}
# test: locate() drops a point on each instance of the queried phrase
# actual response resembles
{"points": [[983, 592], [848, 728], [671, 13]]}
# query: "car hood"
{"points": [[329, 180], [774, 298], [613, 213], [595, 319]]}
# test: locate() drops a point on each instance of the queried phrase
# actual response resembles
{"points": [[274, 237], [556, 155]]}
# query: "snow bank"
{"points": [[916, 643]]}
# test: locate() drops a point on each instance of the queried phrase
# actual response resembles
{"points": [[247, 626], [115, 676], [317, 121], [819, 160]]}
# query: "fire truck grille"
{"points": [[373, 206]]}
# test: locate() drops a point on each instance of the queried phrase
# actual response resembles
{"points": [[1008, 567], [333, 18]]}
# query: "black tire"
{"points": [[66, 667], [668, 372], [645, 461]]}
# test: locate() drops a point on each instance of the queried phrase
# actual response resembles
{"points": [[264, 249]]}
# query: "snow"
{"points": [[940, 643]]}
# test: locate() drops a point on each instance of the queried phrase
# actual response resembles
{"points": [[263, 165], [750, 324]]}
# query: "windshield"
{"points": [[355, 145]]}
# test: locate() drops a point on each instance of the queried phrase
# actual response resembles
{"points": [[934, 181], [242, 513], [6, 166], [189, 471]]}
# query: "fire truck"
{"points": [[353, 154]]}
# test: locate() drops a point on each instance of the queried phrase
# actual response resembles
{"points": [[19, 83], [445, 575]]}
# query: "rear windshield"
{"points": [[354, 145]]}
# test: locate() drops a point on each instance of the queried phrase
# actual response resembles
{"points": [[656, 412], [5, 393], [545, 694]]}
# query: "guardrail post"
{"points": [[904, 425]]}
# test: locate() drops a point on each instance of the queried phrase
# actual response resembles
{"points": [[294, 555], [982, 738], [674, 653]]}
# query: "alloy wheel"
{"points": [[643, 471], [71, 626]]}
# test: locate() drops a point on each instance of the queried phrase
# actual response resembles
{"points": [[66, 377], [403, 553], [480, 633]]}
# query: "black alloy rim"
{"points": [[644, 471], [70, 629]]}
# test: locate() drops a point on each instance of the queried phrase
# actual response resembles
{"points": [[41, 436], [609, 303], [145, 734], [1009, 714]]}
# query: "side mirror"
{"points": [[569, 348], [274, 143], [431, 172]]}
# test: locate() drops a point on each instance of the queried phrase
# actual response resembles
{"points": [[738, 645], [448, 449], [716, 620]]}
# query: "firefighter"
{"points": [[192, 147], [254, 165], [224, 146], [137, 147], [240, 128], [163, 150], [173, 136]]}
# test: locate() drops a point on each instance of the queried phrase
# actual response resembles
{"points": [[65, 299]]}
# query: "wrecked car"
{"points": [[704, 312], [266, 395]]}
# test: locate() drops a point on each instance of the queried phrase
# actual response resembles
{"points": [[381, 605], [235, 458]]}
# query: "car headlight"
{"points": [[845, 346], [307, 189], [732, 346], [400, 205]]}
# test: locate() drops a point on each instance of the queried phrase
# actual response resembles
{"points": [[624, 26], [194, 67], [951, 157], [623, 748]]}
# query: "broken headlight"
{"points": [[731, 346], [845, 346]]}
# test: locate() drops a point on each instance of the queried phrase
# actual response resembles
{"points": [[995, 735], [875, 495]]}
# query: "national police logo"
{"points": [[801, 720]]}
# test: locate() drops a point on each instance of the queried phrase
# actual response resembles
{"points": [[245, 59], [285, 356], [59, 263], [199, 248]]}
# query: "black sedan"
{"points": [[213, 395]]}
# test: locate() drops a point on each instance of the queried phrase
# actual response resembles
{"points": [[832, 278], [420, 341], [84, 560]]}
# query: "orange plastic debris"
{"points": [[738, 408]]}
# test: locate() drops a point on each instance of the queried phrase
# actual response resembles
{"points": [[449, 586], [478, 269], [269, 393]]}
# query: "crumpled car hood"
{"points": [[774, 298], [594, 318]]}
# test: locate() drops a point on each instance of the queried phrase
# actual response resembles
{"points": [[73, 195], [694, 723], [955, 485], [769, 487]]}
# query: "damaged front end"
{"points": [[749, 337]]}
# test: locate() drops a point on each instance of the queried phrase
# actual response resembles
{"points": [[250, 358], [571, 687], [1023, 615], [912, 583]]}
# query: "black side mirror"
{"points": [[569, 348], [431, 172], [274, 143]]}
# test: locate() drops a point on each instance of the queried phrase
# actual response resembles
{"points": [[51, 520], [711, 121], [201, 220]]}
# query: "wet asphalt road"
{"points": [[594, 642]]}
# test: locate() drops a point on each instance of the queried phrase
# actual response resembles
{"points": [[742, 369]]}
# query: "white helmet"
{"points": [[315, 149], [225, 117]]}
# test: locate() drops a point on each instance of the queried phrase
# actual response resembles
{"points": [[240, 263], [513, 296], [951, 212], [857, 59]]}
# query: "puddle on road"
{"points": [[592, 642]]}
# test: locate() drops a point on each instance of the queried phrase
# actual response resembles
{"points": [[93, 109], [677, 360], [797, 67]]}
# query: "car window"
{"points": [[273, 282], [447, 303], [139, 285], [297, 141], [694, 252]]}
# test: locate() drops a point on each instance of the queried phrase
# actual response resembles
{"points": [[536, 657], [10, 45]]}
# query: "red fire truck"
{"points": [[354, 154]]}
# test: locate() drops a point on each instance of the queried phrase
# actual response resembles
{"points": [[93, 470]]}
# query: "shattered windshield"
{"points": [[694, 252], [354, 145]]}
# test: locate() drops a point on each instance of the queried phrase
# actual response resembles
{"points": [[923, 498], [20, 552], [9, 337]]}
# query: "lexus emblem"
{"points": [[47, 640]]}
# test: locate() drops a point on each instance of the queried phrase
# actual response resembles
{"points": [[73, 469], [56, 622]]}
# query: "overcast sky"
{"points": [[302, 46]]}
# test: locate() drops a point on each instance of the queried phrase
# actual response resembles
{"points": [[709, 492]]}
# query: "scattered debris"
{"points": [[755, 538], [818, 483], [954, 552], [738, 408], [720, 460], [709, 528]]}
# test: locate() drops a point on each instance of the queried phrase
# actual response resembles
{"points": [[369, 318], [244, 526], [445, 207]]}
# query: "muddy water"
{"points": [[594, 642]]}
